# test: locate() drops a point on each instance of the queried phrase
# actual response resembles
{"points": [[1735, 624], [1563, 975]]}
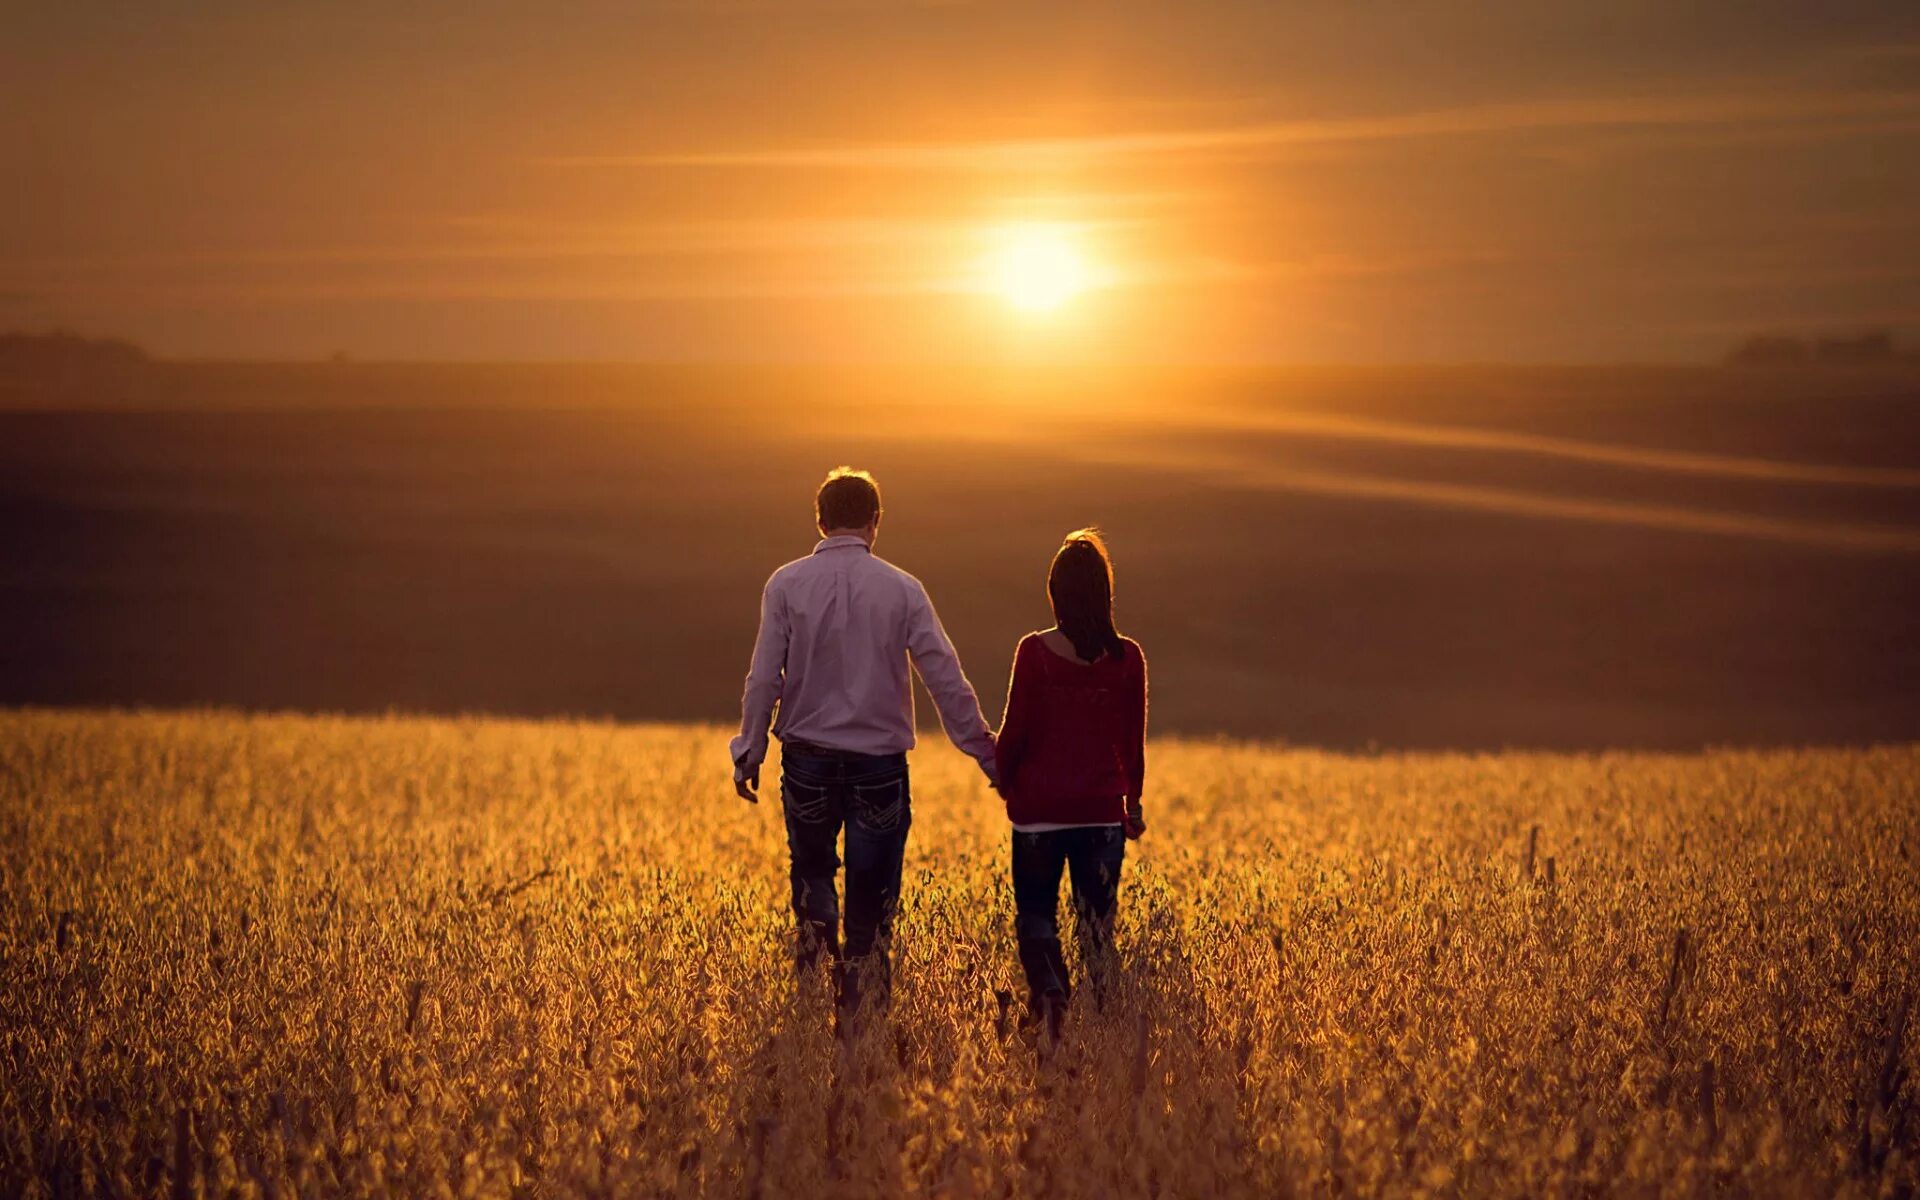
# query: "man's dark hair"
{"points": [[849, 499]]}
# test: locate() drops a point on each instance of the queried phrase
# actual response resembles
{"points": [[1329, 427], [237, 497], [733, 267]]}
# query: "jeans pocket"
{"points": [[881, 806], [805, 802]]}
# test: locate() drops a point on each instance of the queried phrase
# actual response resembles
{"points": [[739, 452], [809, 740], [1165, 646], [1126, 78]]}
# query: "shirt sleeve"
{"points": [[765, 675], [1016, 723], [1136, 742], [946, 682]]}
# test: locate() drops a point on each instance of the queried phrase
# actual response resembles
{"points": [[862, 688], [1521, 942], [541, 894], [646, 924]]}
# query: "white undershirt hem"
{"points": [[1054, 826]]}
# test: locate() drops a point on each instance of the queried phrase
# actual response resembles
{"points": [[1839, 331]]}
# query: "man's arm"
{"points": [[765, 675], [953, 696]]}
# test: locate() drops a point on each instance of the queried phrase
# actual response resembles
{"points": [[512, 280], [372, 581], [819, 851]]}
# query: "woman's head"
{"points": [[1080, 585]]}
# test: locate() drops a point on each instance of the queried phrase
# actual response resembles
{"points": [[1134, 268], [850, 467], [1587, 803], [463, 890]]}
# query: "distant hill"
{"points": [[39, 357], [1875, 348], [1567, 558]]}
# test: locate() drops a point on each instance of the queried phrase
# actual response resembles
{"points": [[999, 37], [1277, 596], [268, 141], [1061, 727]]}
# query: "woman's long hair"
{"points": [[1080, 585]]}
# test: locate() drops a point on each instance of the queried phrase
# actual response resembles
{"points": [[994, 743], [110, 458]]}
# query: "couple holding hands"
{"points": [[838, 629]]}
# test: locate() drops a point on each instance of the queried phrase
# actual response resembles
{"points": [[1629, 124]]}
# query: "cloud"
{"points": [[1261, 139], [1252, 472], [1607, 454], [524, 255], [532, 237]]}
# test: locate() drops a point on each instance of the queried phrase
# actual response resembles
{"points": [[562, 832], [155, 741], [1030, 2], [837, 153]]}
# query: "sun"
{"points": [[1037, 267]]}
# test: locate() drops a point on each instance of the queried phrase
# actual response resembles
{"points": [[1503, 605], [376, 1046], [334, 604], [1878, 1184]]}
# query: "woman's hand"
{"points": [[1135, 824]]}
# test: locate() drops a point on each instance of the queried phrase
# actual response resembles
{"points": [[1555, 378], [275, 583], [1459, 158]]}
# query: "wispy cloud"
{"points": [[518, 258], [1606, 454], [763, 7], [1254, 473], [529, 256], [1271, 137], [518, 238], [512, 239]]}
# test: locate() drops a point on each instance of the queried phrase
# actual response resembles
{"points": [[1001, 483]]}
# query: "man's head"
{"points": [[848, 502]]}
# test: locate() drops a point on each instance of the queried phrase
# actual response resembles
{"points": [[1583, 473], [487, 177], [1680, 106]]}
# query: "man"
{"points": [[837, 629]]}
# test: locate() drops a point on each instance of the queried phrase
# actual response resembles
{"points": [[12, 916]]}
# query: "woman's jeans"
{"points": [[869, 795], [1092, 856]]}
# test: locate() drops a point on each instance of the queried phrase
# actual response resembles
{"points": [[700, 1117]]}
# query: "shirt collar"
{"points": [[842, 541]]}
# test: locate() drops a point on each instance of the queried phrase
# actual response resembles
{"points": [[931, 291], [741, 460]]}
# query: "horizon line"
{"points": [[349, 358]]}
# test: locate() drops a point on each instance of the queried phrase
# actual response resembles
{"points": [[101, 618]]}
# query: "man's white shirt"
{"points": [[837, 632]]}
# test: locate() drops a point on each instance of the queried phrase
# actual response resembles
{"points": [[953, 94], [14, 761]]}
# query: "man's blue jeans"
{"points": [[869, 795]]}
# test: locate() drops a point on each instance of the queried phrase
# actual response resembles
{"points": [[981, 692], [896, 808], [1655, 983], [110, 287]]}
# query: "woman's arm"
{"points": [[1016, 724]]}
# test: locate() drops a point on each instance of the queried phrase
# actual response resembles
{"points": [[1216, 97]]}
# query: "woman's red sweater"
{"points": [[1072, 745]]}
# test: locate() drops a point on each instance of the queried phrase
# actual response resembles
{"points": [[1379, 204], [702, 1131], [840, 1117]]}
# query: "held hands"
{"points": [[1135, 823], [990, 767]]}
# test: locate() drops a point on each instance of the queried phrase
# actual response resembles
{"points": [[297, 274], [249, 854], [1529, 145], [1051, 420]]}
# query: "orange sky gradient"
{"points": [[819, 181]]}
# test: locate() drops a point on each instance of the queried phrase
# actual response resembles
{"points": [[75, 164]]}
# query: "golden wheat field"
{"points": [[306, 956]]}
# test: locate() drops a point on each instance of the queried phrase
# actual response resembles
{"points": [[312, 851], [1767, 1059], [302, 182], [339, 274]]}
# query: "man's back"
{"points": [[847, 611], [837, 629]]}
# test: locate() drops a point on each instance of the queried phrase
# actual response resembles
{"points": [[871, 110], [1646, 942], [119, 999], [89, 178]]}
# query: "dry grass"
{"points": [[276, 955]]}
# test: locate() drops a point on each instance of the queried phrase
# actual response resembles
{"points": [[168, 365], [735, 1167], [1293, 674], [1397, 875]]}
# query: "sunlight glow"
{"points": [[1037, 267]]}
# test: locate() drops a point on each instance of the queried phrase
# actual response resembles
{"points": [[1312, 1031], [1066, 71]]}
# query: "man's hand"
{"points": [[1135, 824], [747, 784]]}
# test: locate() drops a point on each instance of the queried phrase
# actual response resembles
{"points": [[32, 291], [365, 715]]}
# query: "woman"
{"points": [[1072, 757]]}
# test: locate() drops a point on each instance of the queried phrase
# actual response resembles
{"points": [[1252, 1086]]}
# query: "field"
{"points": [[1420, 558], [265, 955]]}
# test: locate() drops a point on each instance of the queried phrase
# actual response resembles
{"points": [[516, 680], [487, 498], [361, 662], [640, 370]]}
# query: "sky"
{"points": [[822, 180]]}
